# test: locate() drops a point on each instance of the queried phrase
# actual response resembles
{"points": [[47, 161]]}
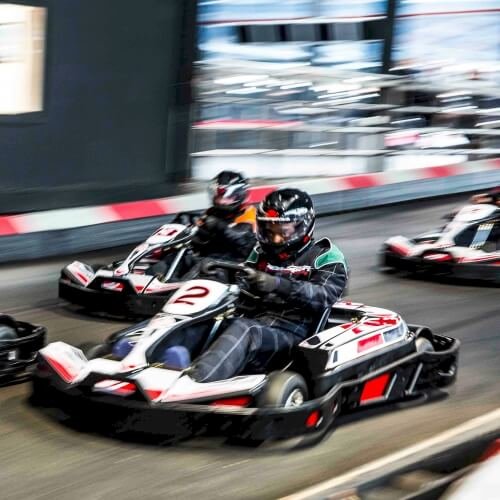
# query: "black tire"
{"points": [[423, 344], [93, 350], [281, 387]]}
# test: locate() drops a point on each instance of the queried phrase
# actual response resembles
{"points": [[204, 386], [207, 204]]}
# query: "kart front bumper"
{"points": [[412, 375], [120, 303]]}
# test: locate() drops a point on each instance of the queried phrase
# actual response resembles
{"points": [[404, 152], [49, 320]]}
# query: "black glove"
{"points": [[263, 282]]}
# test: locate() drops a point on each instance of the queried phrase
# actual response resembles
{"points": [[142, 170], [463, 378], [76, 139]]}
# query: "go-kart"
{"points": [[468, 247], [137, 285], [356, 356], [19, 343]]}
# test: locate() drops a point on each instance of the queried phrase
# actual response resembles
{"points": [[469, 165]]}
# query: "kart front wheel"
{"points": [[93, 350], [284, 389]]}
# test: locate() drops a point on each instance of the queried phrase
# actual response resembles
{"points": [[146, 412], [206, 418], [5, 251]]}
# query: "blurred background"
{"points": [[146, 101], [113, 116]]}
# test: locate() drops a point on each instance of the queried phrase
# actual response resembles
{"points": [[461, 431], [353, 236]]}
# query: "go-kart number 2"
{"points": [[201, 291]]}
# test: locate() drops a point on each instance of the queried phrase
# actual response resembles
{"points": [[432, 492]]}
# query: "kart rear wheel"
{"points": [[284, 389], [423, 345], [93, 350]]}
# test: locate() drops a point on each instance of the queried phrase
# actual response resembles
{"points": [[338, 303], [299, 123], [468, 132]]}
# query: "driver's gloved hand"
{"points": [[206, 267], [263, 282]]}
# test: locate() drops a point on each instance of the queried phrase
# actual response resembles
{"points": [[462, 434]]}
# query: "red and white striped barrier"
{"points": [[53, 220]]}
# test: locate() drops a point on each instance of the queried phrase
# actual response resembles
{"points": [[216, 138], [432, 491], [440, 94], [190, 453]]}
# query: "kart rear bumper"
{"points": [[466, 271], [17, 355]]}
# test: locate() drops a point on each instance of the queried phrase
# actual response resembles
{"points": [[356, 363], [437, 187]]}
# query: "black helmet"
{"points": [[229, 191], [285, 223]]}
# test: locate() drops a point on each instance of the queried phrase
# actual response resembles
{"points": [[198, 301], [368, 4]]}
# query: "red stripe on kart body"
{"points": [[370, 342], [438, 257], [485, 258], [81, 277], [62, 371], [138, 209], [375, 388], [153, 393], [313, 419], [399, 249], [241, 401]]}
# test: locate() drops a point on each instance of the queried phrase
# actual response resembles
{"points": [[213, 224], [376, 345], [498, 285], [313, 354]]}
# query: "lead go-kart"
{"points": [[356, 356], [137, 285], [19, 344], [468, 247]]}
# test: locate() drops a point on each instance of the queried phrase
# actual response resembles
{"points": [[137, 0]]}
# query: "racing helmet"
{"points": [[285, 223], [228, 192]]}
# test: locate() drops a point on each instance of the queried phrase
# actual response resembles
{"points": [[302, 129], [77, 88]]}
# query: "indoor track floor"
{"points": [[43, 459]]}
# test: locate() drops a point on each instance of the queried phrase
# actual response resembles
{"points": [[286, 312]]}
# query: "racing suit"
{"points": [[306, 287], [229, 238]]}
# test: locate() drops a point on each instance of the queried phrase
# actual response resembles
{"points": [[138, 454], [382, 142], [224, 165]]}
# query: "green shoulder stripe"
{"points": [[253, 257], [332, 256]]}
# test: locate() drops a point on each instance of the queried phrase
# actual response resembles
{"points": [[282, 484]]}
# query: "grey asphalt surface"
{"points": [[41, 459]]}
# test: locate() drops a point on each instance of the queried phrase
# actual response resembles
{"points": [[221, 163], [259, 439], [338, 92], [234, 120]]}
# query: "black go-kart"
{"points": [[19, 344], [356, 357]]}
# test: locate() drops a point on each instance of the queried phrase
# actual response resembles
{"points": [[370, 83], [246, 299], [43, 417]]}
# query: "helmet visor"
{"points": [[279, 233]]}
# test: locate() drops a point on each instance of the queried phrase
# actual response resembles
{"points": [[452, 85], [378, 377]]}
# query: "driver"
{"points": [[227, 229], [490, 197], [296, 277]]}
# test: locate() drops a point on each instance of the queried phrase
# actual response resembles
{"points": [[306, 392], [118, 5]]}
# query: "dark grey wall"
{"points": [[117, 85]]}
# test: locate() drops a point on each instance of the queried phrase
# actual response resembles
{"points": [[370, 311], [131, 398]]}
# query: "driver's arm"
{"points": [[240, 238], [322, 290]]}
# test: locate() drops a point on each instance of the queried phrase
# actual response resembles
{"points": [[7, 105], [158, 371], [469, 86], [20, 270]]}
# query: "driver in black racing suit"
{"points": [[297, 278], [226, 230]]}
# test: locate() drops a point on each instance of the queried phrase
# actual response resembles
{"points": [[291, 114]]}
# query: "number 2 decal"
{"points": [[201, 291]]}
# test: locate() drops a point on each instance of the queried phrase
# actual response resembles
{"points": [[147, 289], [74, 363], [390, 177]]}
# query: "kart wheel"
{"points": [[93, 350], [284, 389], [423, 345], [7, 333]]}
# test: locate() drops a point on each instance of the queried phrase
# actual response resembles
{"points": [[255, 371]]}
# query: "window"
{"points": [[22, 57]]}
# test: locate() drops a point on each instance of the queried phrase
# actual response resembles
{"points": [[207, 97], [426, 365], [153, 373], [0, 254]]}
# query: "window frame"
{"points": [[34, 117]]}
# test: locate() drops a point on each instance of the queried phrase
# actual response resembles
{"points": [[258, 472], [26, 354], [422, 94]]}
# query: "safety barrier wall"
{"points": [[58, 232]]}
